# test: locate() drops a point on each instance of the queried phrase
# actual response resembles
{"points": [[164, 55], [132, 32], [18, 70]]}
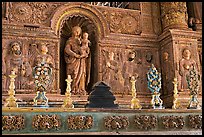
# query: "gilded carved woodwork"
{"points": [[46, 122], [116, 122], [14, 122], [174, 14], [79, 122], [145, 122], [173, 122], [195, 121], [123, 21]]}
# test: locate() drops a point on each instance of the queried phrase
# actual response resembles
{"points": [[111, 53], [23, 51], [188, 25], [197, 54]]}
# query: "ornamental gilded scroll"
{"points": [[145, 122], [173, 122], [195, 121], [16, 122], [116, 122], [46, 122], [79, 122]]}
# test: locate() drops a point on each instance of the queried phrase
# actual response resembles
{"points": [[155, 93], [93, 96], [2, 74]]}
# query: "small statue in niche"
{"points": [[185, 65], [74, 65], [129, 70]]}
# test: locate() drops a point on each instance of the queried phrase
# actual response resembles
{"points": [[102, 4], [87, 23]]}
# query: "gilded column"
{"points": [[174, 15]]}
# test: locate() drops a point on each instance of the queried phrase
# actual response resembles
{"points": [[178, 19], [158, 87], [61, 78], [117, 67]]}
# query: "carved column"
{"points": [[173, 42], [174, 15]]}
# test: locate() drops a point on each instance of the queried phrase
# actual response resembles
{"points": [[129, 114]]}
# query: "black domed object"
{"points": [[101, 97]]}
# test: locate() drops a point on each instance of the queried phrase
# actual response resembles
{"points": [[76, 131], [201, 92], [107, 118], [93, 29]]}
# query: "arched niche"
{"points": [[91, 21]]}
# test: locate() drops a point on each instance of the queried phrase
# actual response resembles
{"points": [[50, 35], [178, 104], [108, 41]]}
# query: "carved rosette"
{"points": [[123, 21], [145, 122], [16, 122], [195, 121], [46, 122], [116, 122], [173, 122], [79, 122], [31, 12], [174, 14]]}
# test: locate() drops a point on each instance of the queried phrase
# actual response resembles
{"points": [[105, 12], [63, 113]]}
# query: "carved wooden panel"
{"points": [[145, 122], [79, 122], [122, 20], [117, 71], [195, 121], [31, 12], [10, 123], [29, 48], [173, 122], [46, 122], [116, 122]]}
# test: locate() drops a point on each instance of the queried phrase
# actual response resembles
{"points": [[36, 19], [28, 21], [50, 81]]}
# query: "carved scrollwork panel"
{"points": [[10, 123], [120, 21], [145, 122], [46, 122], [116, 122], [79, 122], [195, 121], [173, 122], [31, 12]]}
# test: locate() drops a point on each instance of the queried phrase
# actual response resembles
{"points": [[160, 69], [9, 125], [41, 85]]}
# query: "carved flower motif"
{"points": [[21, 12], [116, 122]]}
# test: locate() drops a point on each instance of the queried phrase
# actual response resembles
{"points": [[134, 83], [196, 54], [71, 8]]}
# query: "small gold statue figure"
{"points": [[11, 100], [134, 102], [176, 103], [68, 101]]}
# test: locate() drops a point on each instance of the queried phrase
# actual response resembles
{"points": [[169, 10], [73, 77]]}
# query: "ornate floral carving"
{"points": [[195, 121], [31, 12], [46, 122], [116, 122], [79, 122], [145, 122], [16, 122], [175, 122], [127, 22]]}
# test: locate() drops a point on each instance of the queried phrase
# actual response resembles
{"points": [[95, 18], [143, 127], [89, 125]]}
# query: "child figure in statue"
{"points": [[85, 45]]}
